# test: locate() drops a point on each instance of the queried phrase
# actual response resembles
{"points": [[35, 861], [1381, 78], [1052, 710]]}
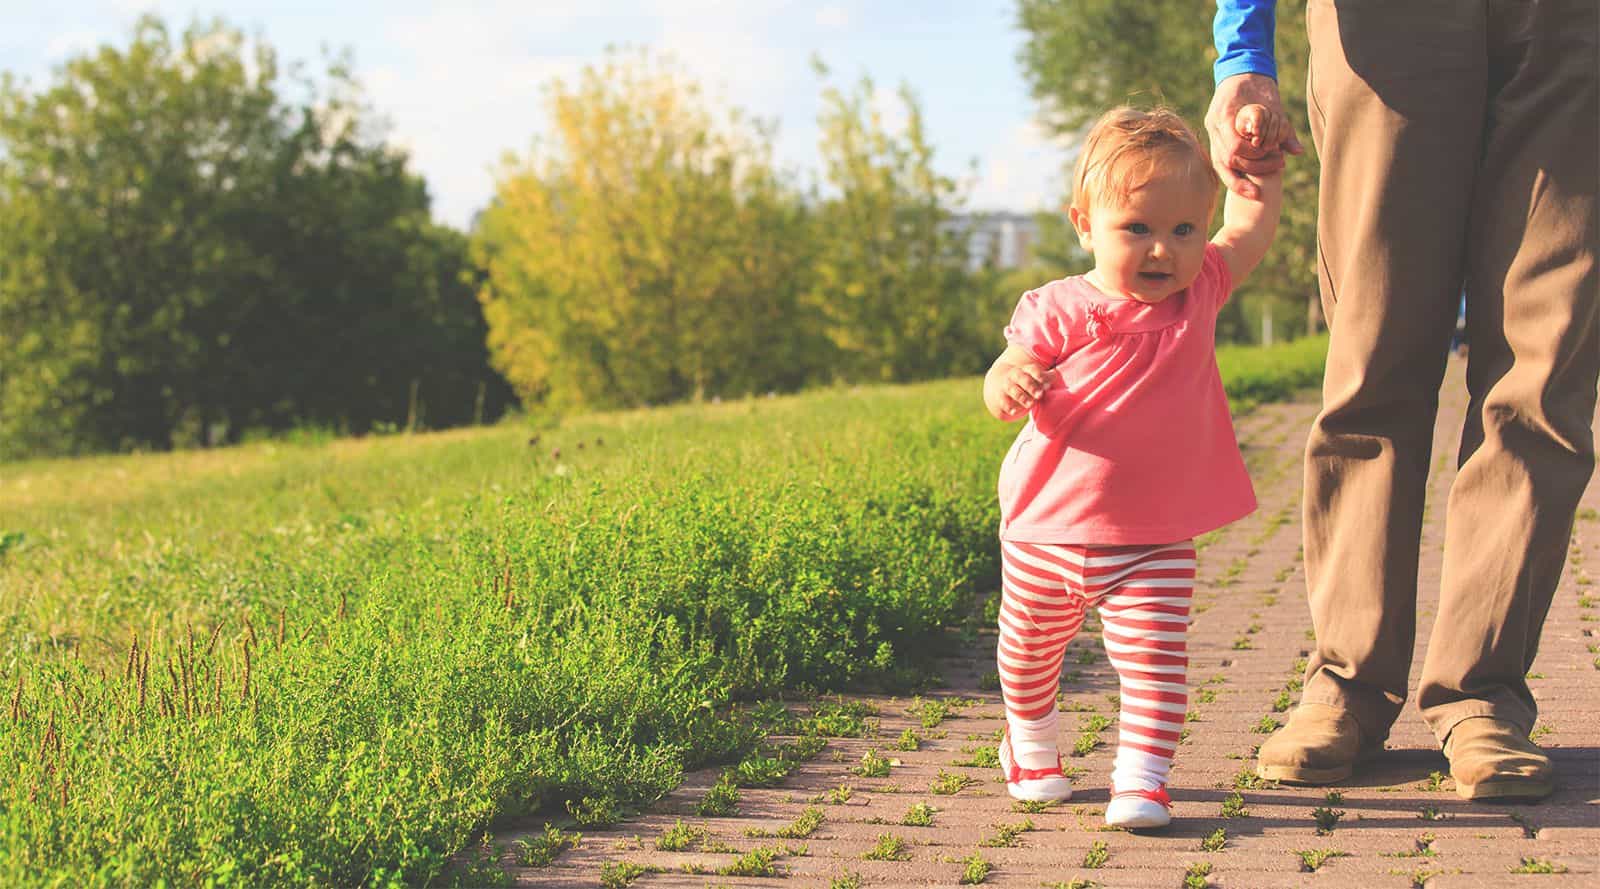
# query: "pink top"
{"points": [[1134, 443]]}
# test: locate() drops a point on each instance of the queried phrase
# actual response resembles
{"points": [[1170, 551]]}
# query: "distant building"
{"points": [[997, 240]]}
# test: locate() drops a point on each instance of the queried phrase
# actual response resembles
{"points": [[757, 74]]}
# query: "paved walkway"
{"points": [[1400, 823]]}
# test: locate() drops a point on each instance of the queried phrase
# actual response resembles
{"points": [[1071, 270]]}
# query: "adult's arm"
{"points": [[1246, 74], [1243, 30]]}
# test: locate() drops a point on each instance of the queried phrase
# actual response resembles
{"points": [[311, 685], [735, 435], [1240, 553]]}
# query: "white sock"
{"points": [[1137, 770], [1033, 741]]}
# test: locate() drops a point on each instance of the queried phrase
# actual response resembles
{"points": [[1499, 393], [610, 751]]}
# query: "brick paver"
{"points": [[1401, 823]]}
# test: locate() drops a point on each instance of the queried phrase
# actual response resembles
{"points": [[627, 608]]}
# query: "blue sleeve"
{"points": [[1244, 31]]}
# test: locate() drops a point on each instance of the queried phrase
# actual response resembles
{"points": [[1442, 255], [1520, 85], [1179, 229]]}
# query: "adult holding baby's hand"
{"points": [[1458, 144]]}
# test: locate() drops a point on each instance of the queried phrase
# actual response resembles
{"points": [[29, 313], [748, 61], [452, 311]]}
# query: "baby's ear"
{"points": [[1080, 224]]}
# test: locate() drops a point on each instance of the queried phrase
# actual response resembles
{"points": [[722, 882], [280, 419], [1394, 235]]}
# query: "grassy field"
{"points": [[337, 662]]}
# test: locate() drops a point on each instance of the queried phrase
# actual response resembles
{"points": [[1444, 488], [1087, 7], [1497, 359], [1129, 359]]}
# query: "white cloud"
{"points": [[1025, 170]]}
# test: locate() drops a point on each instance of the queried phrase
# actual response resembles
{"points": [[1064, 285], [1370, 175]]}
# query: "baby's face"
{"points": [[1152, 245]]}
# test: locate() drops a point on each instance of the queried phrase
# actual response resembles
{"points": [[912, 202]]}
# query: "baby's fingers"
{"points": [[1253, 123]]}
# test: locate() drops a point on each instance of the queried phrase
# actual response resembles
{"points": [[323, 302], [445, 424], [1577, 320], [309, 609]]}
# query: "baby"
{"points": [[1129, 450]]}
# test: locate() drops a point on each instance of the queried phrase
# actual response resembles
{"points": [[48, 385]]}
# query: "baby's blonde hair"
{"points": [[1126, 148]]}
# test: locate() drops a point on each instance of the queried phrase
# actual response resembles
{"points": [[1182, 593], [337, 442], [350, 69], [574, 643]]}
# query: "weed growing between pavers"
{"points": [[1006, 834], [975, 869], [1074, 883], [721, 799], [1326, 818], [1216, 841], [1434, 782], [621, 874], [1539, 866], [848, 880], [1233, 806], [872, 765], [1247, 779], [983, 757], [1194, 877], [679, 837], [1097, 856], [1530, 830], [810, 819], [908, 741], [838, 796], [946, 783], [541, 849], [919, 815], [1311, 859], [1432, 813], [1422, 849], [888, 848], [758, 862]]}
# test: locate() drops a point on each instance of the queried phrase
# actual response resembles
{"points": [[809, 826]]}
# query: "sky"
{"points": [[460, 83]]}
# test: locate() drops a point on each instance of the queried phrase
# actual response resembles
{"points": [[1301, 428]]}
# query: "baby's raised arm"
{"points": [[1248, 225]]}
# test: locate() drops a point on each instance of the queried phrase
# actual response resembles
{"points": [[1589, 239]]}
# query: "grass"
{"points": [[337, 662]]}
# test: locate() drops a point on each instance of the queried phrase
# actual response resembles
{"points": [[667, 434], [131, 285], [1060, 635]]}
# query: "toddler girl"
{"points": [[1128, 452]]}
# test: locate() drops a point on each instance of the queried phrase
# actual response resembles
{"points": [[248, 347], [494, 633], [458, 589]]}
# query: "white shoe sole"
{"points": [[1042, 790], [1137, 813]]}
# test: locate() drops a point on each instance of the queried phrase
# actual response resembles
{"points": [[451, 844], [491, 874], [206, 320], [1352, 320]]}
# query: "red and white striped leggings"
{"points": [[1143, 595]]}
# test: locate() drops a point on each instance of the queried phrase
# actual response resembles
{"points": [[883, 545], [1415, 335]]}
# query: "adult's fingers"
{"points": [[1257, 166]]}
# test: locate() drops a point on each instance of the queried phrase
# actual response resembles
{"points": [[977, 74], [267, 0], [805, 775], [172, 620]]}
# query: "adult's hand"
{"points": [[1231, 152]]}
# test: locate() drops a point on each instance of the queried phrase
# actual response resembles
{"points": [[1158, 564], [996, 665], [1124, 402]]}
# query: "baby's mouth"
{"points": [[1155, 276]]}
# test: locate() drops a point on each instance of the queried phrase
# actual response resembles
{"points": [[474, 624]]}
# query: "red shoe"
{"points": [[1034, 785], [1135, 809]]}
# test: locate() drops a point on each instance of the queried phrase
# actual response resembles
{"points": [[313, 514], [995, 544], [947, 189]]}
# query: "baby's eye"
{"points": [[1139, 228], [1183, 228]]}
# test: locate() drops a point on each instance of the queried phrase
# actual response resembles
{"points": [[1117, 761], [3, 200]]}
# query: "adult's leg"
{"points": [[1396, 107], [1527, 450]]}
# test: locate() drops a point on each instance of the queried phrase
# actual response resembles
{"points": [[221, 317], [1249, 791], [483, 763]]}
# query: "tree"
{"points": [[186, 250], [647, 252], [1082, 57], [892, 281]]}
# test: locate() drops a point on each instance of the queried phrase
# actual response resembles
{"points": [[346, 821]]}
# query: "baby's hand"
{"points": [[1262, 127], [1024, 386]]}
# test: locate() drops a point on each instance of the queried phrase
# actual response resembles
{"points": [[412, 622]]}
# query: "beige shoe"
{"points": [[1320, 745], [1491, 759]]}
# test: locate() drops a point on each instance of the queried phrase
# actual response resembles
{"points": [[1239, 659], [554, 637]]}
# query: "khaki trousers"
{"points": [[1459, 148]]}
